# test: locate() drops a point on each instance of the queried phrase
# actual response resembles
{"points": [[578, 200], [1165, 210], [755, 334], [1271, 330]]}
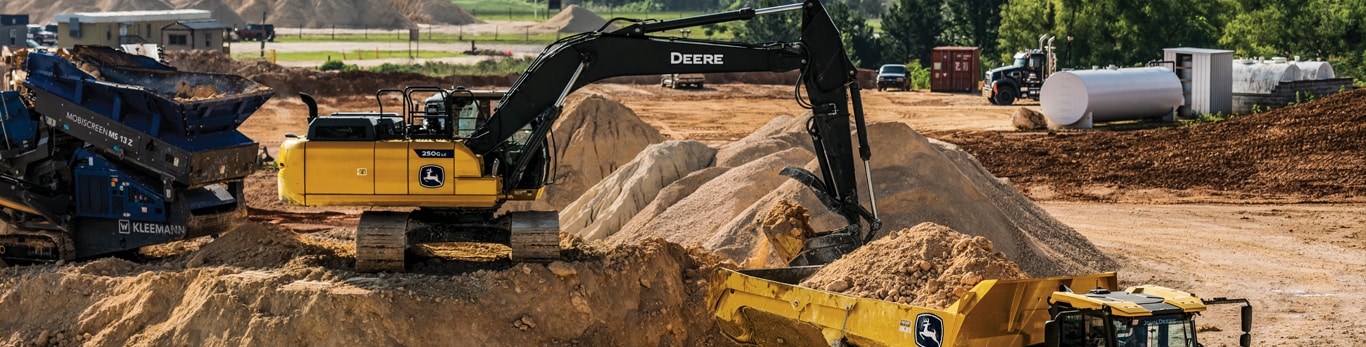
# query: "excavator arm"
{"points": [[827, 75]]}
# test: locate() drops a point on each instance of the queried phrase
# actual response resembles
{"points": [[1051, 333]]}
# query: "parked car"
{"points": [[893, 76], [257, 32]]}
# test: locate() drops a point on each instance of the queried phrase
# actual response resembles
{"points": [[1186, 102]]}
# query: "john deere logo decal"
{"points": [[431, 176], [929, 330]]}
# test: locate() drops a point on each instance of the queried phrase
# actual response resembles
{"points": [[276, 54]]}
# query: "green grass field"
{"points": [[335, 55]]}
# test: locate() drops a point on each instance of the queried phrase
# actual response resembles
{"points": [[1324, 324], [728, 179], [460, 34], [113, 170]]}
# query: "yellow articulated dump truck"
{"points": [[765, 307]]}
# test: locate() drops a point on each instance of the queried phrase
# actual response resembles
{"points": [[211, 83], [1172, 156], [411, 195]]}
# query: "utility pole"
{"points": [[263, 41]]}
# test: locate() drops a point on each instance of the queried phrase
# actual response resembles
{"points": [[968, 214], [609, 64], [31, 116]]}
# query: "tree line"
{"points": [[1089, 32]]}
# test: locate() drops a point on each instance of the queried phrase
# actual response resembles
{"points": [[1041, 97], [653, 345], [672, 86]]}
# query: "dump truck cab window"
{"points": [[1157, 331]]}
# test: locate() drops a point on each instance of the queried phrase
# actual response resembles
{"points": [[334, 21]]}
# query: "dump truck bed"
{"points": [[765, 307]]}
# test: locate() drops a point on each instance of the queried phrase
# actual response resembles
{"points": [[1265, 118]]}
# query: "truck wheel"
{"points": [[1005, 98], [992, 101]]}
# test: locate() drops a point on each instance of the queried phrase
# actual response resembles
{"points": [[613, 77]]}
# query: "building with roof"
{"points": [[13, 30], [192, 35], [113, 29]]}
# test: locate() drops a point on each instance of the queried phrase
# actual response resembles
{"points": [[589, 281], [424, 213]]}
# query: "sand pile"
{"points": [[593, 137], [917, 180], [383, 14], [1314, 151], [623, 193], [312, 298], [574, 19], [929, 265]]}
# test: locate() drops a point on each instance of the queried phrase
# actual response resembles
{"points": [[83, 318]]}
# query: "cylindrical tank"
{"points": [[1262, 77], [1110, 94], [1316, 70]]}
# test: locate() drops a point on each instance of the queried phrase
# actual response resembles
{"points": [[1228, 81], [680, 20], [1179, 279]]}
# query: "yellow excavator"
{"points": [[442, 166]]}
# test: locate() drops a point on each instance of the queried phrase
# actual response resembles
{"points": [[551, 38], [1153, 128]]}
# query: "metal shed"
{"points": [[1206, 78]]}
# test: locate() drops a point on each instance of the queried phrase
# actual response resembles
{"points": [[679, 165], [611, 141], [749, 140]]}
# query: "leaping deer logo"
{"points": [[431, 176], [931, 330]]}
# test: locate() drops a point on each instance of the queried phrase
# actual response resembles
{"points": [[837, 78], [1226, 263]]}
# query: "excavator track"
{"points": [[381, 241], [535, 235]]}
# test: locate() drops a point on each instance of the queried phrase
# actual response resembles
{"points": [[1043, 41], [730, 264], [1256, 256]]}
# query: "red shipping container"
{"points": [[955, 69]]}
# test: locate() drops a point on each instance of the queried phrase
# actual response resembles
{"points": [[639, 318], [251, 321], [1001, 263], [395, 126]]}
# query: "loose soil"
{"points": [[1311, 152], [929, 265]]}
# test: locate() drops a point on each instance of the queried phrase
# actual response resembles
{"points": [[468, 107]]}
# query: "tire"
{"points": [[992, 101], [1005, 98]]}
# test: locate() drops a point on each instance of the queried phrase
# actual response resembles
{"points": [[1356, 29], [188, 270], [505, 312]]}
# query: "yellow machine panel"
{"points": [[391, 164], [430, 164], [339, 167], [398, 173]]}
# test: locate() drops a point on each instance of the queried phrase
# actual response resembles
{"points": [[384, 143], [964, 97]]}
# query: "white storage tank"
{"points": [[1260, 77], [1315, 70], [1077, 99]]}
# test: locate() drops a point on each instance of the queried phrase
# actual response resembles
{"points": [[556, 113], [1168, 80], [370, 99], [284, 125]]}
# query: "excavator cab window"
{"points": [[469, 118]]}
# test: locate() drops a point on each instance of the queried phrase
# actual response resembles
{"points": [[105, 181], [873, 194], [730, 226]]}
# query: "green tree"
{"points": [[973, 23], [859, 42], [910, 29], [1022, 22], [770, 28], [1104, 32]]}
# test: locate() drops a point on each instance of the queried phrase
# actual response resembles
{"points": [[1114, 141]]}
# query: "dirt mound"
{"points": [[574, 19], [917, 180], [434, 12], [929, 265], [314, 299], [593, 137], [288, 81], [623, 193], [385, 14], [1314, 151], [252, 245]]}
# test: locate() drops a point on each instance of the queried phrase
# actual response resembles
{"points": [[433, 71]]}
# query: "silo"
{"points": [[1077, 99]]}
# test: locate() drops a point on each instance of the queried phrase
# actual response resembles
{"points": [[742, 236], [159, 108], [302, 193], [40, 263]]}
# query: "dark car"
{"points": [[892, 76], [257, 32]]}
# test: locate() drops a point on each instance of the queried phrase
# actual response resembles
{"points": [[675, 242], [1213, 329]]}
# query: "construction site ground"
{"points": [[285, 279]]}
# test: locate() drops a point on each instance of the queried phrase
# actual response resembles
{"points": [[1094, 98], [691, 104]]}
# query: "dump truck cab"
{"points": [[1138, 316]]}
